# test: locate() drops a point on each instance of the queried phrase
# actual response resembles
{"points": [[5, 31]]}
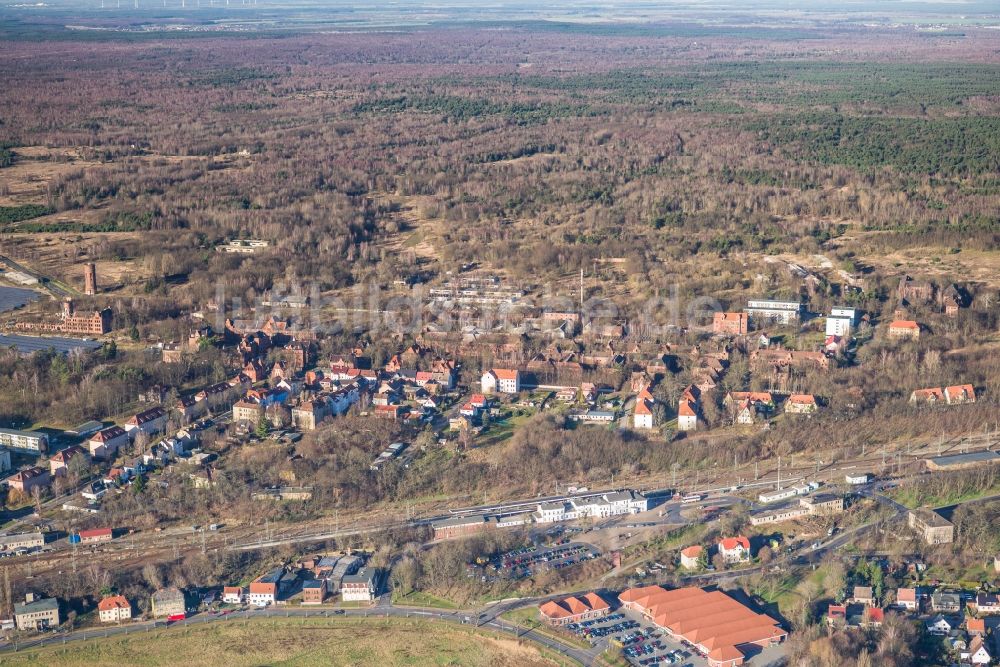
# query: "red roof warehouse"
{"points": [[95, 535], [714, 623]]}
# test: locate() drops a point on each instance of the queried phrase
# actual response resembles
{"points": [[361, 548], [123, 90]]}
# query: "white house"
{"points": [[233, 595], [359, 587], [691, 557], [939, 625], [502, 380], [977, 653], [735, 549], [687, 416], [105, 443], [642, 417], [840, 321], [114, 609]]}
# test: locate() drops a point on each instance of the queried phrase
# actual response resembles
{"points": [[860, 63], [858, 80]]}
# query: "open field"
{"points": [[295, 643]]}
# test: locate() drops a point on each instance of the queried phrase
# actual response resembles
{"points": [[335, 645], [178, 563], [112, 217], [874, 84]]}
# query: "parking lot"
{"points": [[640, 641], [524, 562]]}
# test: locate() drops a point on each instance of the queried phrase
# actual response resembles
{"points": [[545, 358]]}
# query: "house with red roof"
{"points": [[801, 404], [954, 395], [114, 609], [730, 324], [642, 416], [105, 443], [73, 455], [687, 416], [906, 598], [574, 609], [735, 549], [501, 380], [904, 329], [691, 557]]}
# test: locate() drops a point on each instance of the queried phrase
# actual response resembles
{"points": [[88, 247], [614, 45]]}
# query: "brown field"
{"points": [[295, 643]]}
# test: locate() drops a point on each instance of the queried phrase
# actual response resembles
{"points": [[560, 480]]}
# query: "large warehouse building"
{"points": [[711, 621]]}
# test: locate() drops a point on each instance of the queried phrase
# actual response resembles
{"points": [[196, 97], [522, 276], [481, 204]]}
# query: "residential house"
{"points": [[730, 324], [149, 422], [266, 589], [975, 626], [863, 595], [954, 395], [900, 329], [314, 591], [360, 587], [36, 614], [30, 479], [872, 617], [940, 625], [105, 444], [801, 404], [931, 526], [247, 412], [691, 557], [946, 603], [687, 416], [233, 594], [987, 603], [74, 455], [762, 401], [977, 652], [906, 598], [574, 609], [502, 380], [114, 609], [836, 615], [643, 415], [735, 549], [959, 394], [168, 602]]}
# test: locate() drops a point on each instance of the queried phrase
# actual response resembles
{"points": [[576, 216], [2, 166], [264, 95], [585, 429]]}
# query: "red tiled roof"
{"points": [[95, 532], [573, 606], [684, 409], [711, 619], [904, 324], [802, 399], [906, 595], [505, 373], [966, 391], [754, 396], [693, 551], [730, 543], [110, 433], [113, 602]]}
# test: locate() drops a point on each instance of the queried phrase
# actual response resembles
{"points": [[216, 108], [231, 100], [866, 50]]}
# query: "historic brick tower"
{"points": [[89, 279]]}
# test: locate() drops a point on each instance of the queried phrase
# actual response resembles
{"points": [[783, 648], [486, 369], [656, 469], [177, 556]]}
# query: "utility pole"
{"points": [[756, 470], [779, 473]]}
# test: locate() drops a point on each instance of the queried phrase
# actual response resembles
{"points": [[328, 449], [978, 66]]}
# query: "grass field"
{"points": [[422, 599], [295, 643]]}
